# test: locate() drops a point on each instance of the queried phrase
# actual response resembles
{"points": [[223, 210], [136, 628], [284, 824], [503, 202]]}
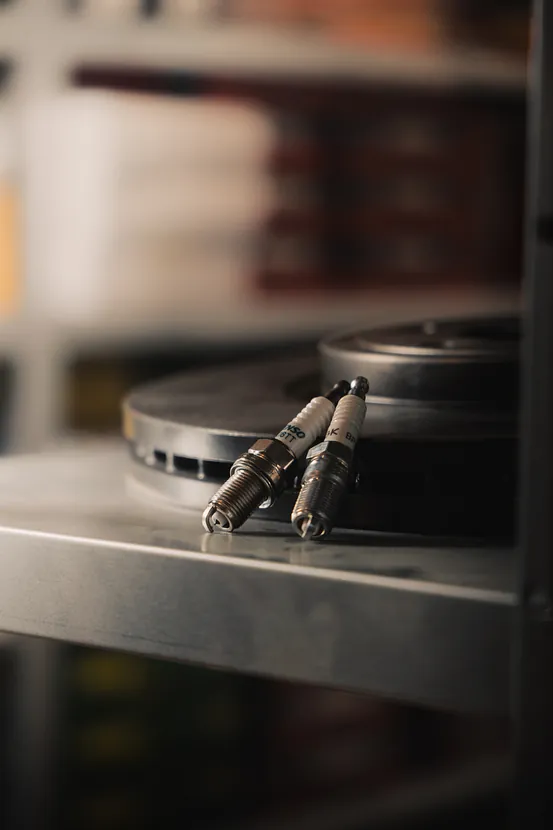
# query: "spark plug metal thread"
{"points": [[259, 476], [329, 463]]}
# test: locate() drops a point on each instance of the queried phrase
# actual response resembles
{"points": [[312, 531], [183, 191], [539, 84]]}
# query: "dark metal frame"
{"points": [[532, 677]]}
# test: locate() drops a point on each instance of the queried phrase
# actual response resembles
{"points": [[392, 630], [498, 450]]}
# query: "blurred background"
{"points": [[186, 182]]}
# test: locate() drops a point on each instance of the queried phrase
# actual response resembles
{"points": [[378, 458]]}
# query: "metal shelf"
{"points": [[250, 49], [85, 561], [265, 319], [244, 48], [10, 29]]}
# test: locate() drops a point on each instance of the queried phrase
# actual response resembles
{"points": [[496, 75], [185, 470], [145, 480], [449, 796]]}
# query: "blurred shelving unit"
{"points": [[43, 42]]}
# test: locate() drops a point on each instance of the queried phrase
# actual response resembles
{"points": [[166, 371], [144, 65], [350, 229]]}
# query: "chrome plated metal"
{"points": [[324, 483], [257, 478], [329, 467]]}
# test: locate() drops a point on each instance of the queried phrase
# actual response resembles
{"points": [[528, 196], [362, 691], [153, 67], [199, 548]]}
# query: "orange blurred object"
{"points": [[418, 24], [364, 8], [9, 266], [407, 24], [411, 36]]}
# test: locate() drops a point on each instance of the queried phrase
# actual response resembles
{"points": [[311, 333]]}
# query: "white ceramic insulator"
{"points": [[347, 421], [307, 426]]}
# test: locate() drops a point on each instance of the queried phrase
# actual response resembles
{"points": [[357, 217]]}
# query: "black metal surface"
{"points": [[533, 664]]}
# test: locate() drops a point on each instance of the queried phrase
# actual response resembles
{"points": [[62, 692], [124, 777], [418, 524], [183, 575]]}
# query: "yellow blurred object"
{"points": [[94, 395], [110, 674], [9, 265], [128, 425], [111, 741]]}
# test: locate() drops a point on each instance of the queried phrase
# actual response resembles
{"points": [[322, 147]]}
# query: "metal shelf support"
{"points": [[533, 652]]}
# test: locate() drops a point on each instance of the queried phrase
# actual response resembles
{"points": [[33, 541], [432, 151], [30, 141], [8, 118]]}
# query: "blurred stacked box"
{"points": [[391, 187], [155, 206], [327, 748], [327, 744], [377, 185]]}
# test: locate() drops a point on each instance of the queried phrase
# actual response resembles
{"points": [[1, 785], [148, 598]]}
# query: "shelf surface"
{"points": [[85, 560], [271, 319], [245, 48]]}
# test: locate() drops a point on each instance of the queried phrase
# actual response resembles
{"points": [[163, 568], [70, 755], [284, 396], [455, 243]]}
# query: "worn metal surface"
{"points": [[83, 560]]}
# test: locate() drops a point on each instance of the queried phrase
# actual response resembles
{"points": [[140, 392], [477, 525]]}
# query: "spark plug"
{"points": [[261, 474], [327, 474]]}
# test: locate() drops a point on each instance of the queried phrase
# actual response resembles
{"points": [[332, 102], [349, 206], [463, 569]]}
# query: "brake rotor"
{"points": [[438, 451]]}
